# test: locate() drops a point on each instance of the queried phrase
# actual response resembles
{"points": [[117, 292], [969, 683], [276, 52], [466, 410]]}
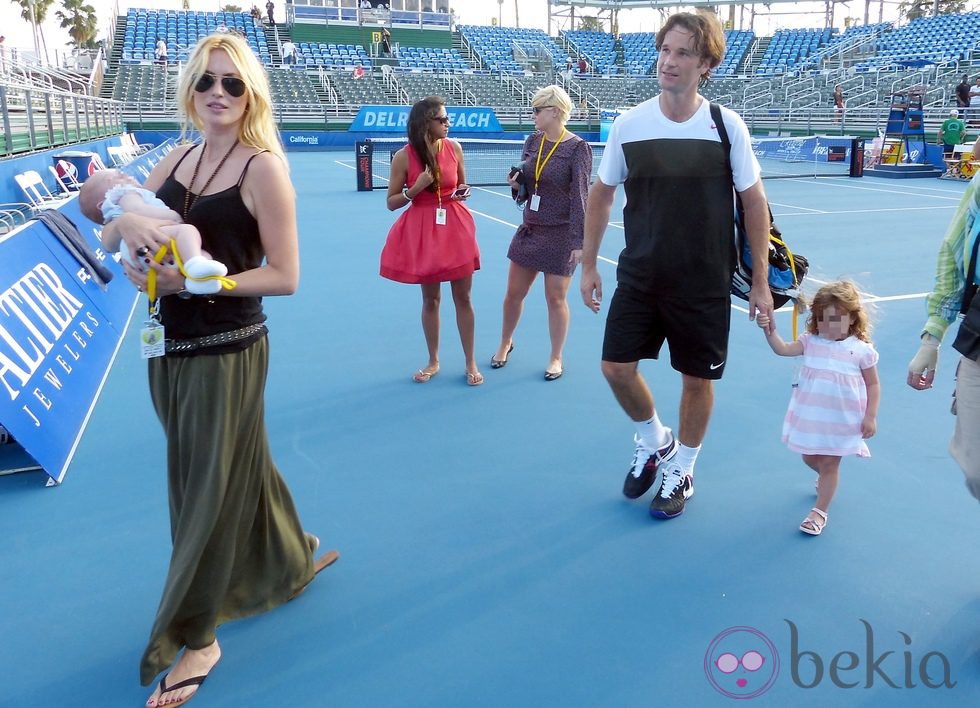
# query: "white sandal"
{"points": [[812, 526]]}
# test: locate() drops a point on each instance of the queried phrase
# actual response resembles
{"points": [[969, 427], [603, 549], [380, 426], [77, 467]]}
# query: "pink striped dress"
{"points": [[828, 405]]}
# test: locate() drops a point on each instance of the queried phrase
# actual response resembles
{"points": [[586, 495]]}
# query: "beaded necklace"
{"points": [[188, 202]]}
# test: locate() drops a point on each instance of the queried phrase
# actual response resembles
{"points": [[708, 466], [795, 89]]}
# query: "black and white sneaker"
{"points": [[645, 464], [676, 487]]}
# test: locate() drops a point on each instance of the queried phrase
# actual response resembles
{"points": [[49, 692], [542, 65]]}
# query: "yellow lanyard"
{"points": [[151, 277], [538, 165], [437, 176]]}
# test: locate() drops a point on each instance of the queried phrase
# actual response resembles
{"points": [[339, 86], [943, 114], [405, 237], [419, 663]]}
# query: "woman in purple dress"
{"points": [[556, 169]]}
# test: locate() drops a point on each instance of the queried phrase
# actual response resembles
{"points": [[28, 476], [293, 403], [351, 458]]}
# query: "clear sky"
{"points": [[533, 13]]}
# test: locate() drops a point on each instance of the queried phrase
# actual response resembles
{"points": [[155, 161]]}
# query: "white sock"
{"points": [[652, 432], [686, 456]]}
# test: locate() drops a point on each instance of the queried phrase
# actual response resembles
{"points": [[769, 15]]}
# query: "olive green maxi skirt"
{"points": [[238, 546]]}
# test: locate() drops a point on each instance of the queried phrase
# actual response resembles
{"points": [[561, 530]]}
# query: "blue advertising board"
{"points": [[394, 119], [60, 330]]}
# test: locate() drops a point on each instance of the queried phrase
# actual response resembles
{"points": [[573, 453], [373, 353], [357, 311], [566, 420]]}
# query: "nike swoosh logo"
{"points": [[715, 366]]}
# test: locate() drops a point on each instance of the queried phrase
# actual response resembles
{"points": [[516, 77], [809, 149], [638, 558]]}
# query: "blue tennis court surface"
{"points": [[488, 557]]}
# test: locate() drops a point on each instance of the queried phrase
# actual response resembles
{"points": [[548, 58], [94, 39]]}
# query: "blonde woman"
{"points": [[556, 165], [238, 545]]}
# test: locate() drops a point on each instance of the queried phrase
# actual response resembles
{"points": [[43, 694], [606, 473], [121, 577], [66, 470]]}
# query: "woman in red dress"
{"points": [[434, 240]]}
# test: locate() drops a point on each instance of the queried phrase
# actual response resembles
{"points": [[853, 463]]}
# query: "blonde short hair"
{"points": [[555, 97], [258, 128]]}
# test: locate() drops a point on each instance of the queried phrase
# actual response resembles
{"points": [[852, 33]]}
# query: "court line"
{"points": [[826, 183], [866, 211], [793, 206], [951, 189]]}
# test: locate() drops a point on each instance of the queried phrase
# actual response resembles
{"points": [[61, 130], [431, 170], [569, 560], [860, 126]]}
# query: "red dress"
{"points": [[420, 251]]}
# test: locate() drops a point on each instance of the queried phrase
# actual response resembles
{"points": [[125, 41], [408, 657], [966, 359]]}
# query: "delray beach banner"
{"points": [[394, 119]]}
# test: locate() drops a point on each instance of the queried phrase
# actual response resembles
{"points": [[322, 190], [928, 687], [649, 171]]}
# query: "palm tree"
{"points": [[80, 20], [39, 15]]}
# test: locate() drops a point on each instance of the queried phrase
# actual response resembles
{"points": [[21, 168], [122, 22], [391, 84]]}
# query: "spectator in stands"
{"points": [[556, 167], [957, 276], [674, 276], [583, 66], [569, 69], [434, 240], [256, 13], [108, 194], [386, 41], [160, 53], [963, 93], [975, 100], [951, 133], [839, 103], [238, 545], [288, 53], [358, 71], [270, 8]]}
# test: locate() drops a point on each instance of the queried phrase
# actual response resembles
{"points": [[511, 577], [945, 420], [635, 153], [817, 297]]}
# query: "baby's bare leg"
{"points": [[199, 267]]}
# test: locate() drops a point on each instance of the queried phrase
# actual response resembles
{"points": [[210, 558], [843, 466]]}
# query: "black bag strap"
{"points": [[715, 111], [970, 288]]}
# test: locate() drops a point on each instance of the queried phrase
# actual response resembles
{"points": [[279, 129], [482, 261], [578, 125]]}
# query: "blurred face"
{"points": [[678, 66], [214, 98], [439, 124], [834, 324], [546, 117]]}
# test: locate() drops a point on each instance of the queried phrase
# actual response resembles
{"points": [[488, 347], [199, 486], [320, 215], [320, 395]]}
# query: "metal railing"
{"points": [[36, 118]]}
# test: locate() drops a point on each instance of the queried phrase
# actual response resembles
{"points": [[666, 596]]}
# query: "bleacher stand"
{"points": [[439, 59], [357, 92], [640, 52], [789, 48], [341, 56], [496, 46], [597, 48], [180, 30], [737, 44], [927, 40]]}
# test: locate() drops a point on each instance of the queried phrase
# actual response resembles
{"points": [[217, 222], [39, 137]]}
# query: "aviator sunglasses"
{"points": [[233, 85]]}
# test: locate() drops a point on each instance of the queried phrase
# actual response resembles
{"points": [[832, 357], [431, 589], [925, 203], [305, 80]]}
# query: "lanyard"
{"points": [[538, 165], [437, 176]]}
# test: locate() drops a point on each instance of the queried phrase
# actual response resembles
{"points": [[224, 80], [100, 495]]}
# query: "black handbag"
{"points": [[967, 340]]}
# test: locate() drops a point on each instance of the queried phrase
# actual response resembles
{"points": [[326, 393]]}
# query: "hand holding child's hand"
{"points": [[869, 426], [763, 321]]}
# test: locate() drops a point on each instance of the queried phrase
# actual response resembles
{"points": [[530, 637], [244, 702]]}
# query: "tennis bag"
{"points": [[786, 269]]}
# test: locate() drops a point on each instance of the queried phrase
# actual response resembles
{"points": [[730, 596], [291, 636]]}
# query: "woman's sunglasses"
{"points": [[538, 109], [442, 119], [233, 85]]}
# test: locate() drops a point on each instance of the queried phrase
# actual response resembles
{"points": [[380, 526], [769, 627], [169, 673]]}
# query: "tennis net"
{"points": [[489, 161]]}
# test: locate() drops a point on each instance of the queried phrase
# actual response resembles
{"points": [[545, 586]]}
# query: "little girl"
{"points": [[833, 409]]}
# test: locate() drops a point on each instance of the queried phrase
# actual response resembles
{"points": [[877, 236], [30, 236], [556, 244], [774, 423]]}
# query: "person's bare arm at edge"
{"points": [[597, 212], [757, 225]]}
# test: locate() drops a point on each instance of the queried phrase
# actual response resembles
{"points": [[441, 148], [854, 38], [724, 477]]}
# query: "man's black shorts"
{"points": [[696, 331]]}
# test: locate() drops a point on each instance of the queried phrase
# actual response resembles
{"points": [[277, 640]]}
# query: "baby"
{"points": [[109, 193]]}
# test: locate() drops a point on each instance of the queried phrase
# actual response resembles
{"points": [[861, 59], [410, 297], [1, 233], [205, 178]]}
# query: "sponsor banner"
{"points": [[811, 149], [394, 119], [297, 140], [59, 333]]}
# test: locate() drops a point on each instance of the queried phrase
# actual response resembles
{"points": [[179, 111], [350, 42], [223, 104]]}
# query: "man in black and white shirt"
{"points": [[674, 276]]}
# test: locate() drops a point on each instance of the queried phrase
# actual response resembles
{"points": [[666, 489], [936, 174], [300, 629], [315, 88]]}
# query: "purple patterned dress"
{"points": [[546, 239]]}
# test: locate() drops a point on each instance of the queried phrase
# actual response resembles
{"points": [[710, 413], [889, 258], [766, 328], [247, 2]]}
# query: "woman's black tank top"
{"points": [[231, 235]]}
